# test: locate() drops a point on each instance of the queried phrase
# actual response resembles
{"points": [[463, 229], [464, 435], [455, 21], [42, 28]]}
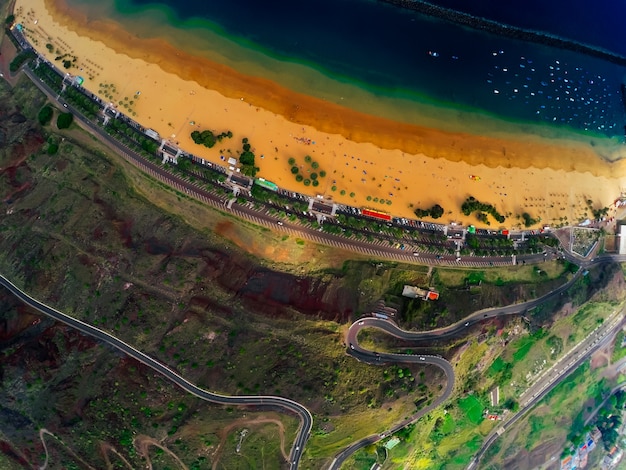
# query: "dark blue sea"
{"points": [[396, 52]]}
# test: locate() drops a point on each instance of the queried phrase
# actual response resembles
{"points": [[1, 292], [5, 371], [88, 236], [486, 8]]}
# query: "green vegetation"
{"points": [[496, 366], [45, 115], [9, 20], [208, 139], [82, 102], [609, 419], [247, 159], [619, 351], [529, 221], [309, 173], [53, 146], [156, 307], [472, 408], [473, 205], [64, 120], [435, 212], [21, 59]]}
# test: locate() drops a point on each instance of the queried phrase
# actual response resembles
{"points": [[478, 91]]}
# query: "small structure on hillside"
{"points": [[381, 310], [413, 292], [391, 443], [495, 396]]}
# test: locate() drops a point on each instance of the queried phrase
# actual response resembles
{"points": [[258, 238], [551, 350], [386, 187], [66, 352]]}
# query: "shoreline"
{"points": [[366, 158], [328, 117]]}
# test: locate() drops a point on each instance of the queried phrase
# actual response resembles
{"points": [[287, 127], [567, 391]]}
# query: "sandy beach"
{"points": [[366, 159]]}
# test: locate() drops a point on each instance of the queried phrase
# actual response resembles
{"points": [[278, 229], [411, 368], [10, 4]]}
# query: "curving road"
{"points": [[268, 401], [378, 250], [370, 357], [554, 376], [448, 332]]}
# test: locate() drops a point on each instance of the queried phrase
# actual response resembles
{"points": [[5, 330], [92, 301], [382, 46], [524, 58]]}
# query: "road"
{"points": [[555, 375], [263, 401], [379, 248], [571, 361], [375, 358]]}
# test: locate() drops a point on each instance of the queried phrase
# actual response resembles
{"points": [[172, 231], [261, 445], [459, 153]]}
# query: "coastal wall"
{"points": [[522, 34]]}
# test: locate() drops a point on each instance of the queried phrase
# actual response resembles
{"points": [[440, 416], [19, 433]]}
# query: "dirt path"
{"points": [[249, 422], [43, 466], [143, 442], [105, 448]]}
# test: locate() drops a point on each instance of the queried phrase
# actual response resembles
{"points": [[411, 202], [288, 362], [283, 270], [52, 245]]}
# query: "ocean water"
{"points": [[395, 53]]}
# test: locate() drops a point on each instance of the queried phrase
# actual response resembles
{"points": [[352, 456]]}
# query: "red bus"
{"points": [[376, 214]]}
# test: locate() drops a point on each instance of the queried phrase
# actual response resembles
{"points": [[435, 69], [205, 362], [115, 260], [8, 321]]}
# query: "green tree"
{"points": [[436, 211], [53, 148], [64, 120], [511, 404], [247, 158], [206, 138], [45, 115]]}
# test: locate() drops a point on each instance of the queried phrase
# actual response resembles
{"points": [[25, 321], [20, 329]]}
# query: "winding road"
{"points": [[355, 350], [453, 330], [268, 401]]}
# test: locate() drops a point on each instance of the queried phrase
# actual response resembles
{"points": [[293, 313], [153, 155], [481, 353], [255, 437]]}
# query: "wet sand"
{"points": [[367, 159]]}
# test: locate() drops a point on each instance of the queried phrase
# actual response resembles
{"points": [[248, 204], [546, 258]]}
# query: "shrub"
{"points": [[45, 115], [307, 182], [308, 159], [322, 174], [313, 176], [246, 158], [53, 148], [315, 165], [205, 138], [291, 161], [299, 178], [315, 183], [20, 59], [294, 170], [64, 120]]}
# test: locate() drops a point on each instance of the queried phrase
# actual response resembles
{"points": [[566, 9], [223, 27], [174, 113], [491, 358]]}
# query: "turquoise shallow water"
{"points": [[390, 61]]}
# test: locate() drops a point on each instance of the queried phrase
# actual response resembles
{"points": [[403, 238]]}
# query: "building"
{"points": [[413, 292], [495, 396], [169, 152], [152, 134]]}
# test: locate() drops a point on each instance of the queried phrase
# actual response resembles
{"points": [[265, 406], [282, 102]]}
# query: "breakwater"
{"points": [[513, 32]]}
